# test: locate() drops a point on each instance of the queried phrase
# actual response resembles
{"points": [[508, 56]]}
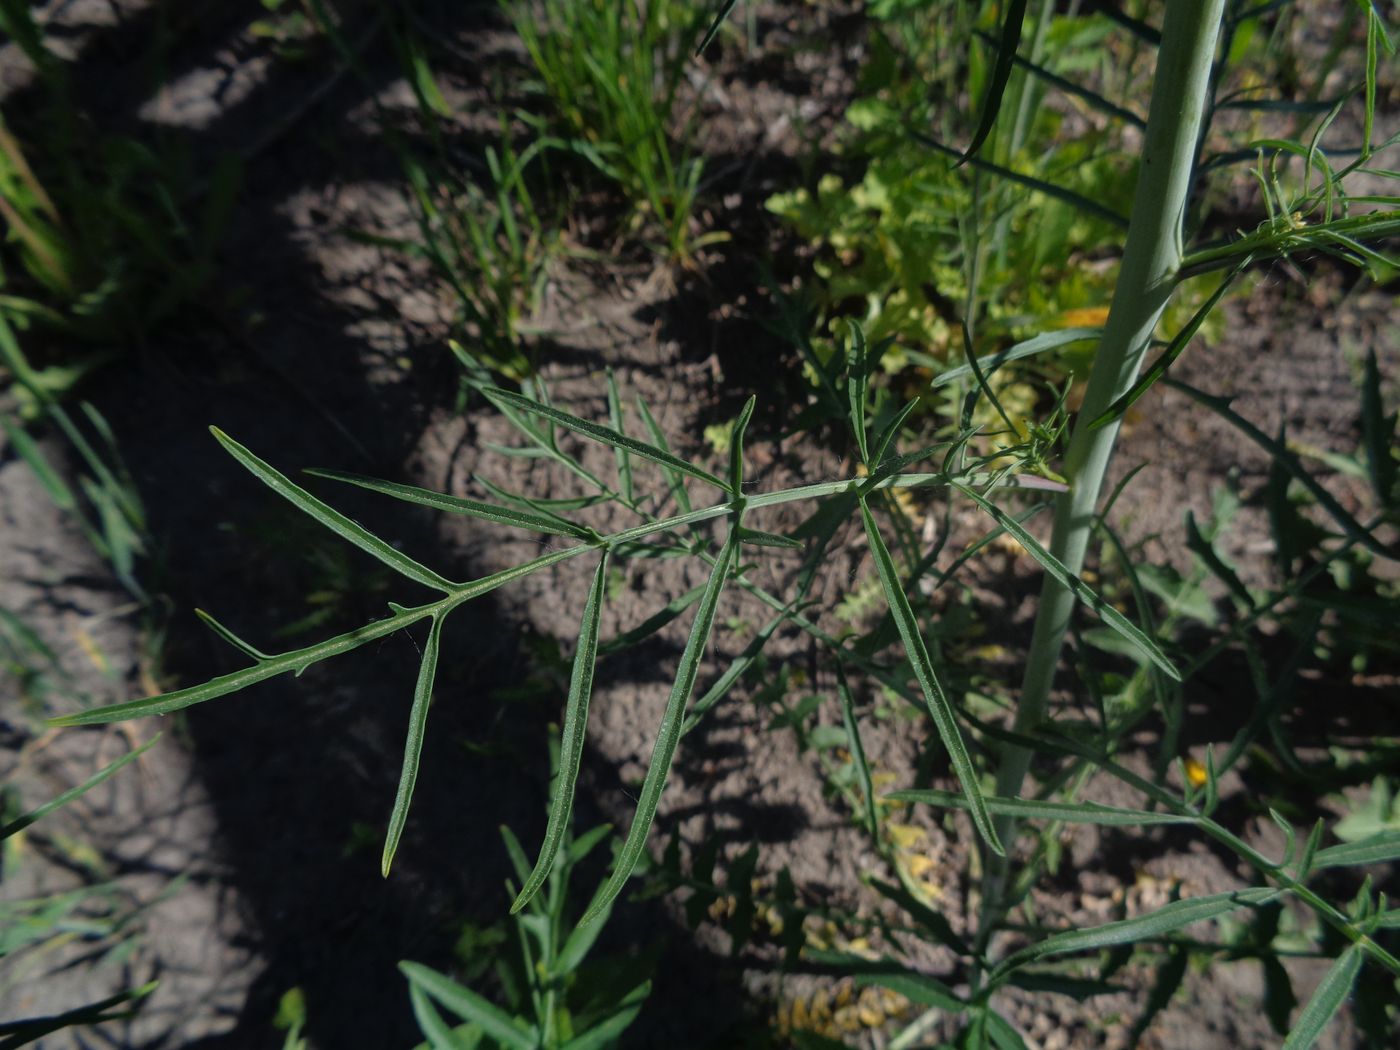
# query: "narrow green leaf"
{"points": [[674, 480], [713, 31], [624, 461], [605, 1032], [914, 986], [28, 450], [1164, 920], [670, 732], [857, 750], [571, 738], [759, 538], [330, 518], [857, 381], [1174, 349], [1081, 590], [1330, 995], [736, 448], [1069, 87], [1030, 809], [38, 813], [28, 1030], [1377, 849], [1003, 1035], [1001, 74], [469, 1006], [440, 1034], [933, 921], [553, 526], [733, 672], [652, 623], [605, 435], [1040, 344], [1087, 205], [938, 705], [413, 747], [1285, 460], [228, 636], [890, 432]]}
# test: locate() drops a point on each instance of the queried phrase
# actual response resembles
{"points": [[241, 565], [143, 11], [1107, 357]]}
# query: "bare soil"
{"points": [[249, 836]]}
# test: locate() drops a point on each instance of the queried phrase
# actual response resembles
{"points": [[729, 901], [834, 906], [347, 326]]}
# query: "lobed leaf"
{"points": [[413, 747], [938, 705], [1081, 590], [669, 735], [572, 736], [331, 518]]}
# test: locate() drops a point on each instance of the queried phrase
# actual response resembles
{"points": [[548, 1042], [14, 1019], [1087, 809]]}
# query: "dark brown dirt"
{"points": [[329, 353]]}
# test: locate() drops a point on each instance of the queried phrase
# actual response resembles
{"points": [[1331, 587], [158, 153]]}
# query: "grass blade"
{"points": [[1001, 75], [469, 1006], [459, 505], [1110, 616], [330, 518], [1031, 809], [605, 435], [413, 747], [571, 739], [670, 732], [938, 705], [713, 31], [1164, 920], [24, 820], [1330, 995]]}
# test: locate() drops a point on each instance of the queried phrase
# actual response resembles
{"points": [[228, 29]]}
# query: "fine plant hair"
{"points": [[1017, 779]]}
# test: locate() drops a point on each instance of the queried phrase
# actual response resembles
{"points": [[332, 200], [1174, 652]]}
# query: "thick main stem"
{"points": [[1151, 261]]}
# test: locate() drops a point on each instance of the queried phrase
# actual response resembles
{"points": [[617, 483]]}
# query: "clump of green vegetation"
{"points": [[100, 244], [611, 73]]}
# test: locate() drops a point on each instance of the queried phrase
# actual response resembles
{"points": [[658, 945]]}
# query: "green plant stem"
{"points": [[1151, 259]]}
